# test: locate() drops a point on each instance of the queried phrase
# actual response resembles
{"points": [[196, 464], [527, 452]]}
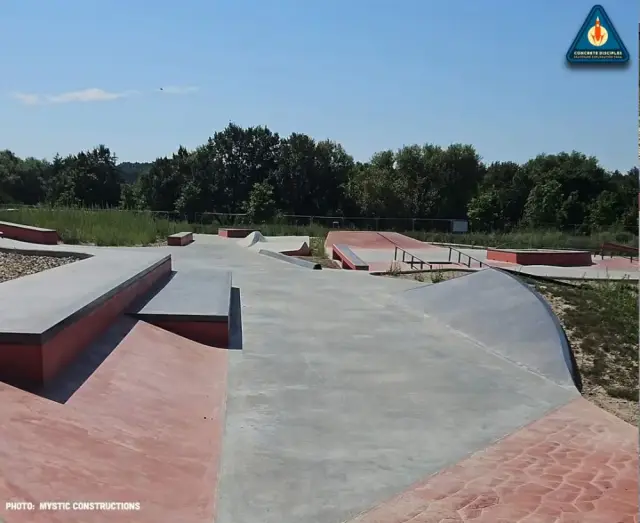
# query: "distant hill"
{"points": [[131, 170]]}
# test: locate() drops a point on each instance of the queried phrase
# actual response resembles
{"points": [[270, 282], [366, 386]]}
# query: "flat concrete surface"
{"points": [[502, 315], [203, 294], [35, 303], [342, 396]]}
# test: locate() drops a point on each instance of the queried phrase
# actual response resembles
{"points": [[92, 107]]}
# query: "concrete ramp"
{"points": [[504, 316], [290, 245], [251, 239]]}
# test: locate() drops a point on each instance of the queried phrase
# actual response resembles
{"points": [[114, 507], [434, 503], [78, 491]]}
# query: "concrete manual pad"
{"points": [[203, 295], [33, 305], [505, 316]]}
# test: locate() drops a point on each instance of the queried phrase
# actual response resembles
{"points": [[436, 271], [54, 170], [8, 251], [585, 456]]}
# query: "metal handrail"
{"points": [[469, 258], [414, 259]]}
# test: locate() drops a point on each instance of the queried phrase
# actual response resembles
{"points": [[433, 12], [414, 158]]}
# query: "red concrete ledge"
{"points": [[28, 233], [349, 259], [180, 239], [234, 233], [555, 258], [34, 359]]}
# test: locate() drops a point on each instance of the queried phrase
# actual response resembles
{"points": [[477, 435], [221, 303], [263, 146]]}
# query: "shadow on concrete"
{"points": [[235, 320], [65, 384], [138, 304]]}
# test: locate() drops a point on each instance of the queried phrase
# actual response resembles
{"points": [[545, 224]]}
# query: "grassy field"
{"points": [[113, 227]]}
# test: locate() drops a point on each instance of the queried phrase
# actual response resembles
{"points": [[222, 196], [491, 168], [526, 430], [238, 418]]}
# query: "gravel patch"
{"points": [[13, 265]]}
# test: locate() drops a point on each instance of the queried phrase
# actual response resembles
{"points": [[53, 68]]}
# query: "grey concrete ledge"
{"points": [[28, 316], [291, 259], [198, 296]]}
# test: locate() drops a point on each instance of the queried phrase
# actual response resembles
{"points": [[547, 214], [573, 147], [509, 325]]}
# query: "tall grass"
{"points": [[127, 228], [97, 227], [116, 227]]}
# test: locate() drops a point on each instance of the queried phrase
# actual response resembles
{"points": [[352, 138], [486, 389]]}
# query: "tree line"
{"points": [[256, 171]]}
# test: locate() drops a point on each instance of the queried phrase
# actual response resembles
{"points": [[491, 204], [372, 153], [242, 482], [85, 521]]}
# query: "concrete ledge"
{"points": [[39, 337], [28, 233], [290, 259], [180, 239], [193, 304], [349, 259], [557, 258], [234, 233]]}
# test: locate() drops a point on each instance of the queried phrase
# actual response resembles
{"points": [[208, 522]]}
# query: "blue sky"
{"points": [[370, 74]]}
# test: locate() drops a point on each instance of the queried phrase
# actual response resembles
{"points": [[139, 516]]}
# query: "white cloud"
{"points": [[27, 99], [176, 89], [86, 95]]}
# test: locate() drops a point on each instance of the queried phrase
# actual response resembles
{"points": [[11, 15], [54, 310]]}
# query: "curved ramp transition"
{"points": [[251, 239], [289, 245], [504, 316]]}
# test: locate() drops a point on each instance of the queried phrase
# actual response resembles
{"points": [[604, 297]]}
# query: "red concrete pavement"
{"points": [[146, 427], [578, 464], [374, 240]]}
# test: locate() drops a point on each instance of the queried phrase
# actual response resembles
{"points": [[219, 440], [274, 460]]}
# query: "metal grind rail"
{"points": [[413, 260], [461, 255]]}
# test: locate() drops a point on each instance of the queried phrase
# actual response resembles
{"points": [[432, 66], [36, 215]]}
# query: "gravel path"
{"points": [[15, 265]]}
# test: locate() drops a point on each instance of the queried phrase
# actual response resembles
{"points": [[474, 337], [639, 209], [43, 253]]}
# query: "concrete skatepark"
{"points": [[336, 396]]}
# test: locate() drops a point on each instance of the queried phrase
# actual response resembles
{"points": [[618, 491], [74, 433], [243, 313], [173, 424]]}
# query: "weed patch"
{"points": [[601, 321]]}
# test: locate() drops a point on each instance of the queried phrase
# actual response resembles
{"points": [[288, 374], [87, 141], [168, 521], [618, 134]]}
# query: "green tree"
{"points": [[260, 207]]}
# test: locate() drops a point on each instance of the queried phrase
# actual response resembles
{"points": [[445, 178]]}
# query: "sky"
{"points": [[370, 74]]}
